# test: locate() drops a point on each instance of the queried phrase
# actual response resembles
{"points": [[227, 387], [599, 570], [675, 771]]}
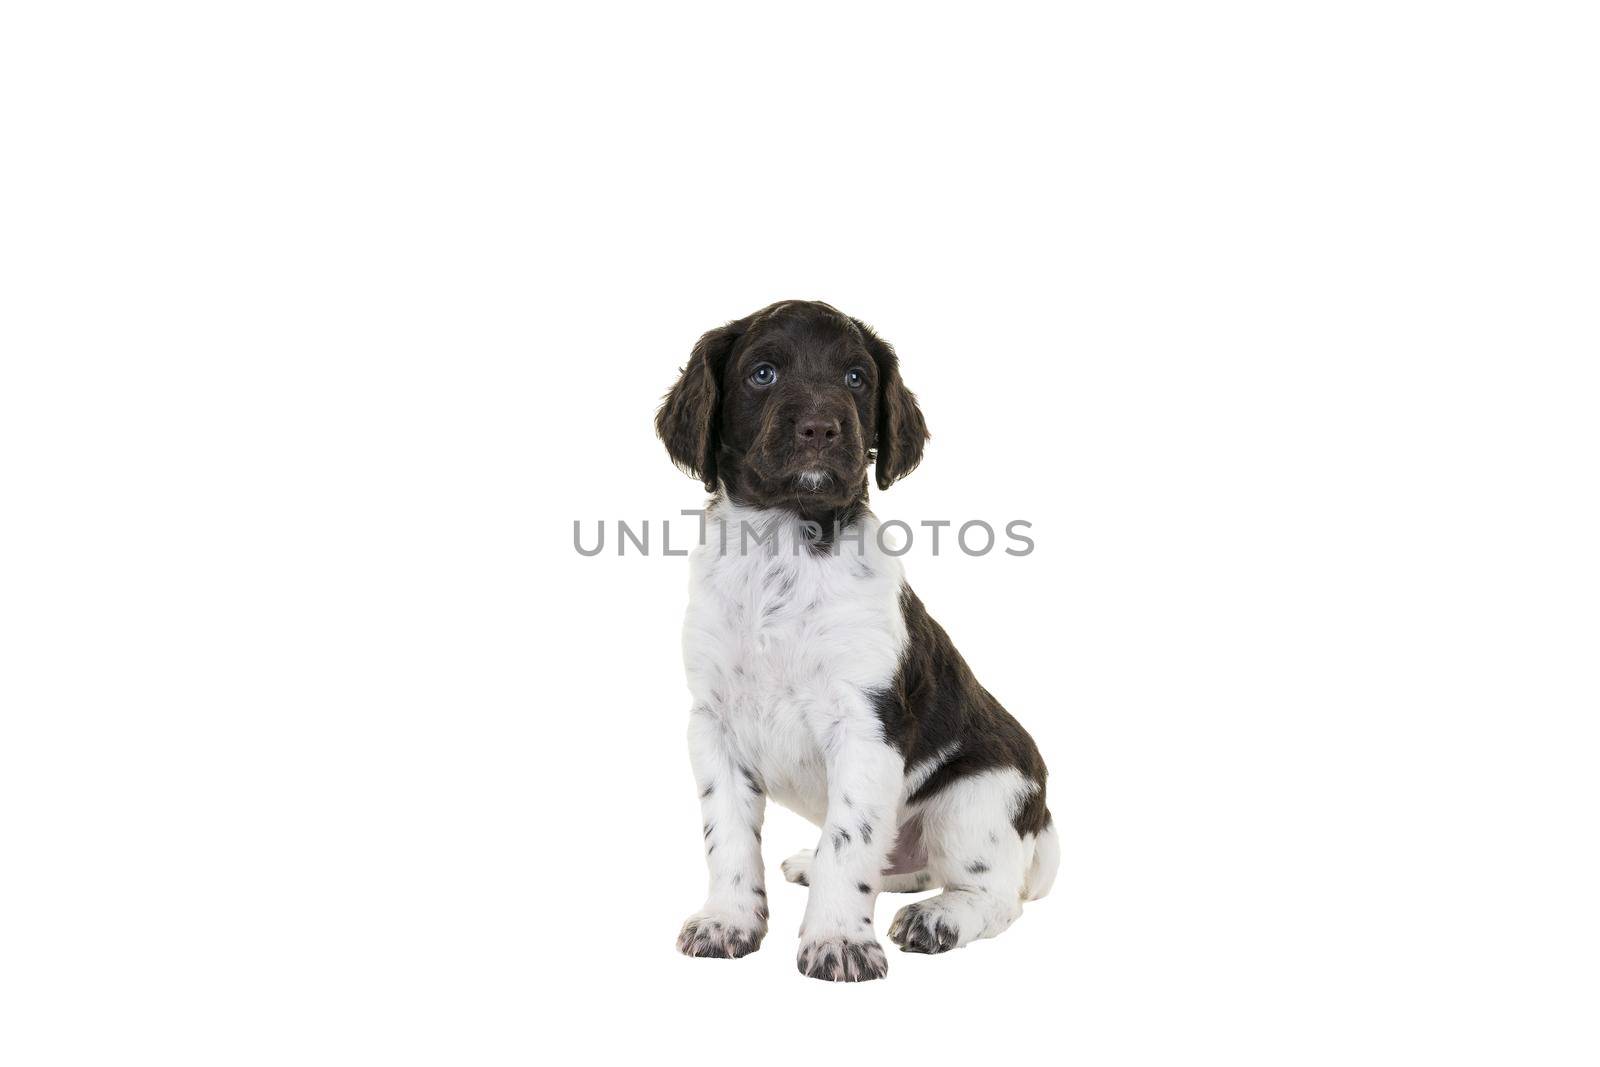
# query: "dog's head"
{"points": [[789, 405]]}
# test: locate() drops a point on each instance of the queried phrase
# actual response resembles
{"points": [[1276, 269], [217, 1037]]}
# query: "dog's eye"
{"points": [[764, 375], [855, 378]]}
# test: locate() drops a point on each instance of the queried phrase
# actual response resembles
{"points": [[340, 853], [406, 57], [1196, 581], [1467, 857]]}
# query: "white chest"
{"points": [[781, 642]]}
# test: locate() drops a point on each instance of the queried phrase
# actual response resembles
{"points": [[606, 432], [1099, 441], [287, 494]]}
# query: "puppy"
{"points": [[818, 678]]}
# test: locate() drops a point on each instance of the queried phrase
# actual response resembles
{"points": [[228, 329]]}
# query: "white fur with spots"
{"points": [[783, 648]]}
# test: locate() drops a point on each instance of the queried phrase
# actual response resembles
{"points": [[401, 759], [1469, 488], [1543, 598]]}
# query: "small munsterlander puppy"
{"points": [[818, 678]]}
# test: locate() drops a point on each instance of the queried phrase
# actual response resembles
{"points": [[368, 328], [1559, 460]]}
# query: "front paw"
{"points": [[836, 959], [719, 936]]}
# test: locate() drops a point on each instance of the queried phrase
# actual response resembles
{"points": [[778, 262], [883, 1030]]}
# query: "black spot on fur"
{"points": [[840, 839], [705, 827], [707, 792], [979, 867], [750, 780], [864, 887], [866, 833], [782, 583]]}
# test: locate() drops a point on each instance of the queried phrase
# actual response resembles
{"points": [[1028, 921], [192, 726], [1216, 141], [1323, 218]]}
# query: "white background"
{"points": [[322, 323]]}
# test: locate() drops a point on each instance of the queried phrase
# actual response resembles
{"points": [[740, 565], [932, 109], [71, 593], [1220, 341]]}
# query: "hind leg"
{"points": [[915, 882], [975, 851], [905, 868], [797, 869]]}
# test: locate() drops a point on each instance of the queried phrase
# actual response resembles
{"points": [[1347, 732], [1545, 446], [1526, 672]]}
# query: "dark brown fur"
{"points": [[745, 439], [721, 427]]}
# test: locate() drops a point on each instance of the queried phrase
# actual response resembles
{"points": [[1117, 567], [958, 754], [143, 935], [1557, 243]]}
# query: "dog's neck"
{"points": [[829, 520]]}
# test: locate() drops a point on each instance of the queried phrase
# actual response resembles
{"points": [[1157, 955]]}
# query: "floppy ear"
{"points": [[901, 430], [687, 421]]}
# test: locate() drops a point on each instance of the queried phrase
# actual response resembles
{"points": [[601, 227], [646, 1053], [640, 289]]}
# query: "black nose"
{"points": [[816, 432]]}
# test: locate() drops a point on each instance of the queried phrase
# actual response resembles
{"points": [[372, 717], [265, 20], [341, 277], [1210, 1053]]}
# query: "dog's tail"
{"points": [[1046, 860]]}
